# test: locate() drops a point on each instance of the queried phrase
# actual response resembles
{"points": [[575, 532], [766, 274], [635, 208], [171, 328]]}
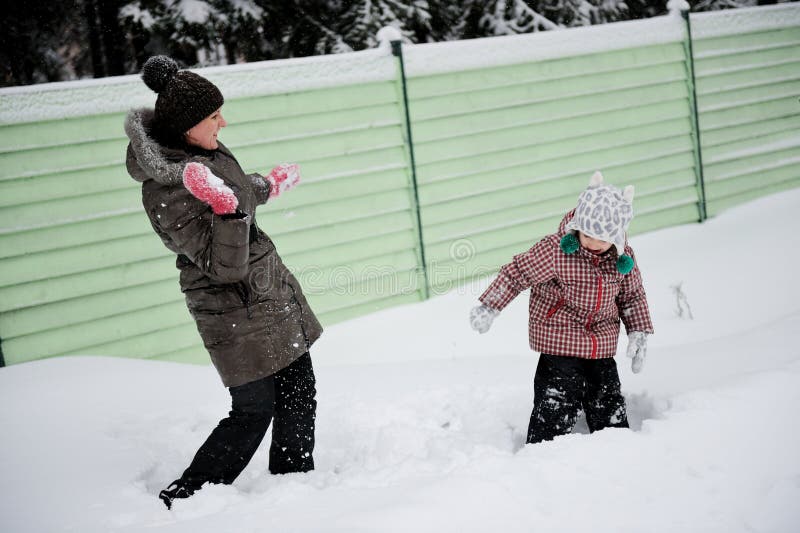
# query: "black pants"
{"points": [[287, 399], [565, 385]]}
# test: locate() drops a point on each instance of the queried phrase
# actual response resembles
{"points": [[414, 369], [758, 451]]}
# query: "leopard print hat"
{"points": [[604, 212]]}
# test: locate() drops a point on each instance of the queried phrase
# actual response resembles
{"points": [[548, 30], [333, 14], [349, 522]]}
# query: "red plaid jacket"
{"points": [[576, 301]]}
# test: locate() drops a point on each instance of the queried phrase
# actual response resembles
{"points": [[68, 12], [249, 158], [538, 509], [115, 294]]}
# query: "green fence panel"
{"points": [[502, 150], [81, 271], [747, 68]]}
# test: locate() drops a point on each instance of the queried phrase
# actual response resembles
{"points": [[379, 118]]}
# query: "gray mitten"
{"points": [[481, 317], [637, 350]]}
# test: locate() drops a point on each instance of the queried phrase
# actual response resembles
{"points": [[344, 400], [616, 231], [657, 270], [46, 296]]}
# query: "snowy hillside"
{"points": [[421, 421]]}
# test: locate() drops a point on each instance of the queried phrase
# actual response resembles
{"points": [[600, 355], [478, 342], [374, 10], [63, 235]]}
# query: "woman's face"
{"points": [[204, 133], [596, 246]]}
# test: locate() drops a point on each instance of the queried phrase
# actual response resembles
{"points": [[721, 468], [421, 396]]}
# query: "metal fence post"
{"points": [[698, 150], [2, 359], [397, 51]]}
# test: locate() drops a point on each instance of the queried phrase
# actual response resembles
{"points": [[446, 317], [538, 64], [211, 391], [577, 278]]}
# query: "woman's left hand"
{"points": [[282, 178]]}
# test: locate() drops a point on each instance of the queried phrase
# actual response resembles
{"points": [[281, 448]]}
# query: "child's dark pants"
{"points": [[565, 385], [287, 399]]}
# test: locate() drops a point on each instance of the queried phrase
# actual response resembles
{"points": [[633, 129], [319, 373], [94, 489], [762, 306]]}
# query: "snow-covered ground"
{"points": [[421, 422]]}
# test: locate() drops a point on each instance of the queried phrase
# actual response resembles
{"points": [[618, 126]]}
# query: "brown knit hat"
{"points": [[184, 98]]}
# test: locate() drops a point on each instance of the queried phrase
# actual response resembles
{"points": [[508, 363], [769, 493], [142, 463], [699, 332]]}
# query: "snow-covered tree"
{"points": [[243, 32], [716, 5], [26, 45], [196, 32], [571, 13], [361, 21], [444, 20], [502, 17], [641, 9], [305, 27], [508, 17]]}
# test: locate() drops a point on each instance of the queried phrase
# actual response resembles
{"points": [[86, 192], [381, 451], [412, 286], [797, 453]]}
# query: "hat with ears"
{"points": [[604, 212], [184, 98]]}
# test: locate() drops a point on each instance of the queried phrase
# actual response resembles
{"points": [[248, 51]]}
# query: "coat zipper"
{"points": [[241, 286], [555, 308], [244, 295], [591, 316]]}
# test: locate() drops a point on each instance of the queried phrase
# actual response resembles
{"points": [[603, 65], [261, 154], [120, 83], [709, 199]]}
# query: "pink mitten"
{"points": [[210, 189], [282, 178]]}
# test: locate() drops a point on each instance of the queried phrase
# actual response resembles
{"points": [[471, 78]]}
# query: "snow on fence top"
{"points": [[50, 101], [745, 20], [436, 58]]}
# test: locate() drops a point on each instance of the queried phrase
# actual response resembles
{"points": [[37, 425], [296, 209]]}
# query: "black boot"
{"points": [[178, 489]]}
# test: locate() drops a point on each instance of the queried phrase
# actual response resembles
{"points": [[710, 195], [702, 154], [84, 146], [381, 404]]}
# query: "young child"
{"points": [[583, 280]]}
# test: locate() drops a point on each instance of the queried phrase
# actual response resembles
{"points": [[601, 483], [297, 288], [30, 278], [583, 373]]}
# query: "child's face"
{"points": [[596, 246]]}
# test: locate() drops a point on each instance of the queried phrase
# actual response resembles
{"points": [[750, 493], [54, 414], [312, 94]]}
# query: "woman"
{"points": [[249, 309]]}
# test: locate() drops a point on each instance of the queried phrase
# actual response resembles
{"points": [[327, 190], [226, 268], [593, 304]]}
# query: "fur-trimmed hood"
{"points": [[146, 158]]}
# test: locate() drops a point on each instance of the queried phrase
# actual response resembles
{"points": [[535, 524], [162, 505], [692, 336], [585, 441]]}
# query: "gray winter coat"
{"points": [[249, 309]]}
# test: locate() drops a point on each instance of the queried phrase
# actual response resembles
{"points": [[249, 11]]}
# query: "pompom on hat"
{"points": [[604, 212], [184, 98]]}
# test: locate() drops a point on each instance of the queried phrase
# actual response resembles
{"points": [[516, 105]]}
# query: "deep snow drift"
{"points": [[421, 421]]}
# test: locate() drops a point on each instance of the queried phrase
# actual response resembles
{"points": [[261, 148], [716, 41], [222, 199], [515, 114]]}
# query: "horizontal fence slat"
{"points": [[377, 244], [61, 185], [482, 211], [754, 95], [756, 145], [755, 77], [66, 261], [392, 284], [151, 345], [344, 210], [335, 123], [529, 174], [71, 131], [66, 339], [69, 210], [587, 160], [549, 112], [746, 60], [751, 163], [749, 42], [422, 86], [354, 311], [67, 312], [716, 205], [54, 289], [55, 159], [752, 182], [745, 114], [537, 130], [515, 139], [752, 130], [533, 91], [70, 235], [302, 103]]}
